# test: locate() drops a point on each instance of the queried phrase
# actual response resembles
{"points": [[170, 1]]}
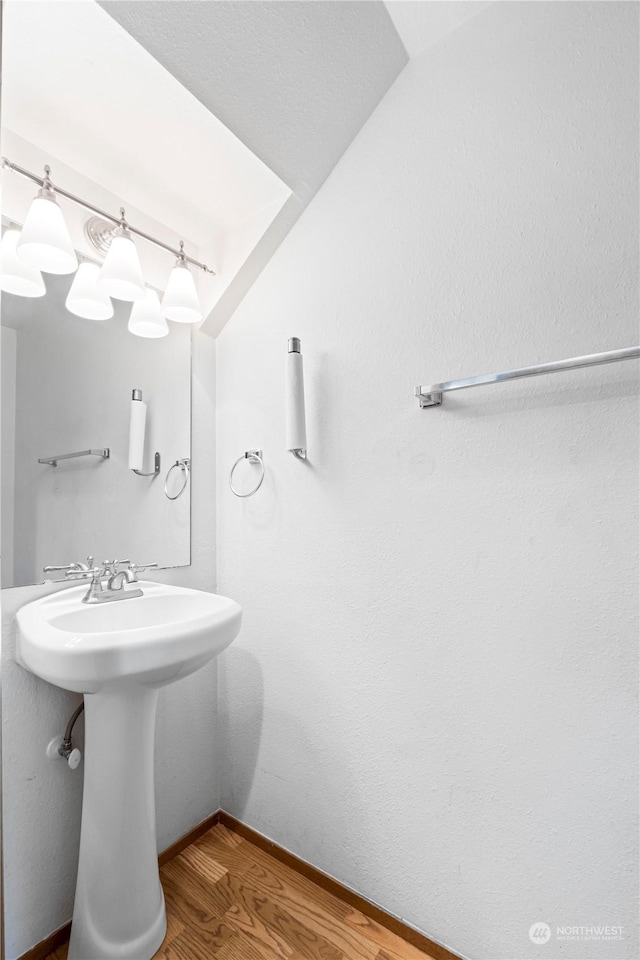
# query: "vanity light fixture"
{"points": [[15, 276], [146, 318], [180, 302], [45, 242], [121, 274], [86, 298]]}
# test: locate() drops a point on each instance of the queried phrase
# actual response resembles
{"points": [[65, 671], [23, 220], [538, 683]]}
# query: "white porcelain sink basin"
{"points": [[119, 654], [155, 639]]}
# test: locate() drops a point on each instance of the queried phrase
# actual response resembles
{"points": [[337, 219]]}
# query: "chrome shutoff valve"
{"points": [[57, 750]]}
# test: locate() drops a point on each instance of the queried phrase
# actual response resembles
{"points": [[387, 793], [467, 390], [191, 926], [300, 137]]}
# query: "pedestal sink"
{"points": [[118, 655]]}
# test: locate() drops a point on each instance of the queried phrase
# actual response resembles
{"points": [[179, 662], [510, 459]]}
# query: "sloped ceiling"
{"points": [[294, 80]]}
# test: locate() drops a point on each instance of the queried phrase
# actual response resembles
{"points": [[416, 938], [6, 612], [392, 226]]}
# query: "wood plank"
{"points": [[203, 827], [201, 859], [229, 857], [197, 903], [229, 837], [322, 914], [252, 928], [240, 948], [280, 873], [262, 914], [195, 944], [396, 947]]}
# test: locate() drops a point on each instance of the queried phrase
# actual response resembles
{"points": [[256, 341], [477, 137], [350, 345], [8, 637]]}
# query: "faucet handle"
{"points": [[86, 573], [76, 566], [135, 567]]}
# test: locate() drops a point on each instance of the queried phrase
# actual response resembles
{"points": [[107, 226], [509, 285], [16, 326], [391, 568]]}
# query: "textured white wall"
{"points": [[42, 799], [434, 693]]}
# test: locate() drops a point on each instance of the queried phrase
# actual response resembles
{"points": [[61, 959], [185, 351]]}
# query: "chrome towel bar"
{"points": [[53, 461], [431, 396]]}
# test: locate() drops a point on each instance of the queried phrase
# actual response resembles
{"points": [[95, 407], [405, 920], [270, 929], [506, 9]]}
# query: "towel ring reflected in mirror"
{"points": [[185, 466], [254, 456]]}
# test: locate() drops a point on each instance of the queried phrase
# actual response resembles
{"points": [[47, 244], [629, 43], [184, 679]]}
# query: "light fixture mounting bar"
{"points": [[15, 168]]}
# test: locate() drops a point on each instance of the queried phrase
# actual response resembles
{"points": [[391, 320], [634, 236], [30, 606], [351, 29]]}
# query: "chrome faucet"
{"points": [[117, 580], [108, 573]]}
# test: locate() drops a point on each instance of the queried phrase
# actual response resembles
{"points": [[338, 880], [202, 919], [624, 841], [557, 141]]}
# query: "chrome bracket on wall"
{"points": [[154, 472], [428, 399]]}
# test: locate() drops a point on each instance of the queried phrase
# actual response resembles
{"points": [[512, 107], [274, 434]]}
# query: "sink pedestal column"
{"points": [[119, 907]]}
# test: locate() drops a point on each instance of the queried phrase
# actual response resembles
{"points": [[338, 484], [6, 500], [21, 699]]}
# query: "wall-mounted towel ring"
{"points": [[255, 456], [185, 466]]}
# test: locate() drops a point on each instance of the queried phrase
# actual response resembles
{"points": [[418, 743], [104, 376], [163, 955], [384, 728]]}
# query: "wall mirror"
{"points": [[66, 388]]}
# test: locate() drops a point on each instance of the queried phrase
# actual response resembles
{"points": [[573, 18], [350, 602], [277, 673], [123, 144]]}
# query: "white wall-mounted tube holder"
{"points": [[137, 427], [295, 411]]}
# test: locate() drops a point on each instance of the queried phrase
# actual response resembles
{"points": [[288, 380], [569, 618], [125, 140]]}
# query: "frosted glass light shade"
{"points": [[121, 275], [15, 276], [146, 318], [44, 242], [180, 302], [86, 298]]}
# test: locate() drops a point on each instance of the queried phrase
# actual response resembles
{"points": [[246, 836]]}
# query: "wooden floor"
{"points": [[226, 898]]}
